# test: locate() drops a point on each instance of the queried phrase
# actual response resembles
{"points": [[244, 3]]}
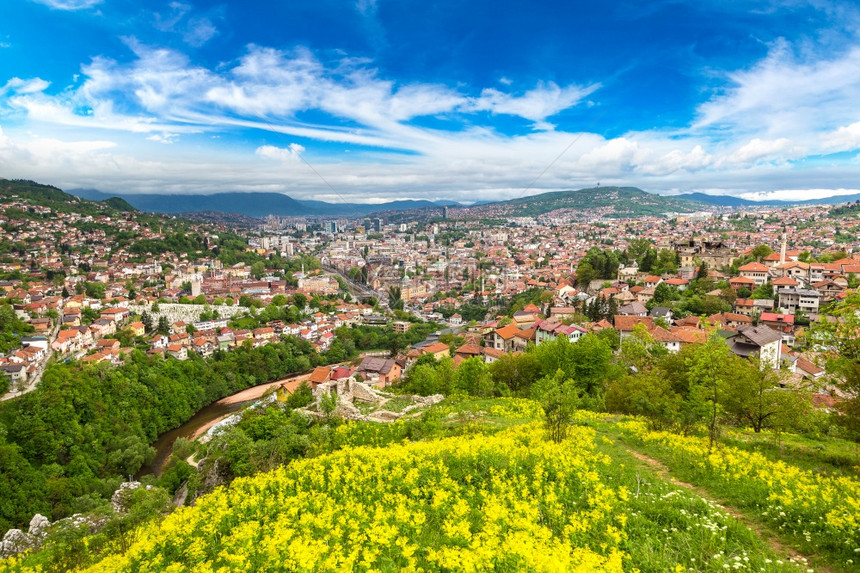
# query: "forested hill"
{"points": [[49, 196], [34, 192], [610, 201], [254, 204]]}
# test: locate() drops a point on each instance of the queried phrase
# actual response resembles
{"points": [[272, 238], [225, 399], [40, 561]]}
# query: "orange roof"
{"points": [[627, 323], [690, 335], [469, 349], [495, 353], [527, 334], [67, 334], [660, 334], [508, 331], [753, 267], [320, 374], [744, 280], [435, 347]]}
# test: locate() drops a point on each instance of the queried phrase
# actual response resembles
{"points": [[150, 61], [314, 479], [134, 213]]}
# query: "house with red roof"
{"points": [[755, 271], [503, 338]]}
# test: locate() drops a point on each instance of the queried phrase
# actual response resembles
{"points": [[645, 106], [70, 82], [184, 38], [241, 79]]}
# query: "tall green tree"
{"points": [[473, 377], [756, 396], [708, 376]]}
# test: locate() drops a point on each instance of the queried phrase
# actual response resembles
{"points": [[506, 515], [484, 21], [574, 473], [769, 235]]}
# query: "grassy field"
{"points": [[477, 486]]}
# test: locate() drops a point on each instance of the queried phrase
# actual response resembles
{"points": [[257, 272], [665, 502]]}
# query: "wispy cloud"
{"points": [[69, 4], [780, 109], [366, 7], [545, 100], [195, 30], [787, 94], [20, 86]]}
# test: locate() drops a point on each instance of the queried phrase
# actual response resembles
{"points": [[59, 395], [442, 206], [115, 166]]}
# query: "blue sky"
{"points": [[393, 99]]}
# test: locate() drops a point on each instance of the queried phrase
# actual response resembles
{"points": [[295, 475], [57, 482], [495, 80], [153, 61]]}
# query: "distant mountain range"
{"points": [[729, 201], [254, 204], [613, 201]]}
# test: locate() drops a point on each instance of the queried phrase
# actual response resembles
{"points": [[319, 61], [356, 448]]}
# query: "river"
{"points": [[208, 417]]}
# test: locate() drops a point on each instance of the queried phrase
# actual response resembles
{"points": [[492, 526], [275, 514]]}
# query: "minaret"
{"points": [[782, 249]]}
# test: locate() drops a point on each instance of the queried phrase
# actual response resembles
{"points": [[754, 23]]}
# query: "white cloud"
{"points": [[166, 138], [20, 86], [845, 138], [69, 4], [161, 95], [758, 150], [615, 155], [279, 153], [797, 194], [195, 30], [675, 160], [545, 100], [200, 31], [785, 95]]}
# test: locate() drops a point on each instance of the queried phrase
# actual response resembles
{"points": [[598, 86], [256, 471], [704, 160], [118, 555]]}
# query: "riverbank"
{"points": [[250, 395], [210, 415]]}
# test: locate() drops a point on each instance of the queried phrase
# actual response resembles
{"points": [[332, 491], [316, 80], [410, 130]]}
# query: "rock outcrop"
{"points": [[351, 394]]}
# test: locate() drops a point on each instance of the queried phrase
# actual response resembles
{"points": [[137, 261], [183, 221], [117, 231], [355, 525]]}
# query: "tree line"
{"points": [[66, 446]]}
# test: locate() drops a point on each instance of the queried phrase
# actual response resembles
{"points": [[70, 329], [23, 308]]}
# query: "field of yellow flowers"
{"points": [[820, 513], [496, 496]]}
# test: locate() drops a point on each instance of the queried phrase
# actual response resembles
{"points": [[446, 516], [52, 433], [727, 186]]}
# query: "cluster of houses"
{"points": [[769, 339]]}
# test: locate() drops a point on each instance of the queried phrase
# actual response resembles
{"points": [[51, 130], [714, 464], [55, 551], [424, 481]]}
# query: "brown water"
{"points": [[208, 417]]}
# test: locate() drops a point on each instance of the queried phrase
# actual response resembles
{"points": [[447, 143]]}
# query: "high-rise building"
{"points": [[445, 211], [377, 225]]}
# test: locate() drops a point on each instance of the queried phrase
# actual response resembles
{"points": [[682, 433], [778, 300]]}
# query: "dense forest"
{"points": [[66, 446]]}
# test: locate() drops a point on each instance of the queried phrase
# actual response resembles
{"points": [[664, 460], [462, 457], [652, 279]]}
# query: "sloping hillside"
{"points": [[609, 201], [496, 494]]}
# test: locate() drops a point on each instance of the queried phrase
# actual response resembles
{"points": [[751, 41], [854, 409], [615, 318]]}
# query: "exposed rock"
{"points": [[15, 541], [349, 391], [211, 476], [181, 495], [383, 416], [38, 525], [363, 393], [347, 411], [121, 497]]}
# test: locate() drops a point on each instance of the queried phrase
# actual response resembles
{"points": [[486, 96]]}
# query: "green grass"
{"points": [[670, 526], [397, 404], [825, 455], [750, 498]]}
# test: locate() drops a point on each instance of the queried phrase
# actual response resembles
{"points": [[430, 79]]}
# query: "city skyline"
{"points": [[373, 101]]}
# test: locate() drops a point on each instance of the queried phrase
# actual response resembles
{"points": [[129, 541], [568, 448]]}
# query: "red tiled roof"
{"points": [[507, 331], [320, 375], [753, 267], [627, 323]]}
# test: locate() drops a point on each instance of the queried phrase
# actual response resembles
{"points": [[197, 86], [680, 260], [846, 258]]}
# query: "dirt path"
{"points": [[778, 546]]}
